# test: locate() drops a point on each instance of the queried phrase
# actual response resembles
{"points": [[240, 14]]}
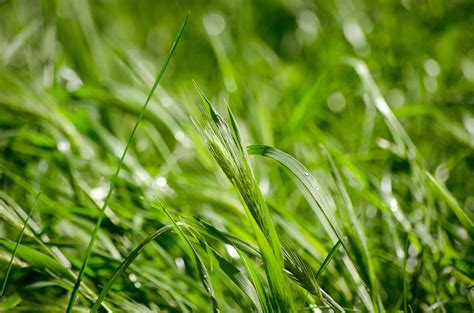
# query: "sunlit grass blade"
{"points": [[20, 237], [321, 206], [452, 203], [203, 273], [239, 279], [126, 264], [119, 167], [309, 184], [226, 147], [398, 132], [355, 230], [37, 259], [257, 282], [328, 258]]}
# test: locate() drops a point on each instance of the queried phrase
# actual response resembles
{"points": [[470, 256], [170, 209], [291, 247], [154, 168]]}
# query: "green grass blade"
{"points": [[113, 181], [452, 203], [309, 184], [319, 203], [398, 132], [225, 145], [328, 258], [20, 237], [203, 274], [126, 264], [405, 277], [257, 282], [354, 229], [239, 279], [37, 259]]}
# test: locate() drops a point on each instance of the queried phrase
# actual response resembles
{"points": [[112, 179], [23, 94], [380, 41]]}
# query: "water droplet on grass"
{"points": [[232, 251], [63, 146], [214, 24]]}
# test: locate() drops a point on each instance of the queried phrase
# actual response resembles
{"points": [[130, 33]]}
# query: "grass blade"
{"points": [[126, 263], [321, 206], [239, 279], [20, 237], [354, 230], [203, 274], [226, 146], [119, 167], [328, 258], [309, 185], [257, 282], [404, 143], [452, 203], [37, 259]]}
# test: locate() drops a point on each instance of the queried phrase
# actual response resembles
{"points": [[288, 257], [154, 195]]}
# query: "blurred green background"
{"points": [[75, 74]]}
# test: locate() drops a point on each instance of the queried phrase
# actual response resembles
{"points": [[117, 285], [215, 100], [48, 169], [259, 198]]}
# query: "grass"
{"points": [[117, 171], [292, 157], [10, 264]]}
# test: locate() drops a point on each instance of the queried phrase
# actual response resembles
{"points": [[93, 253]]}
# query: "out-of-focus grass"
{"points": [[373, 99]]}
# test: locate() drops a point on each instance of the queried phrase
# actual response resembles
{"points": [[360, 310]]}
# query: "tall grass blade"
{"points": [[321, 206], [239, 279], [226, 146], [404, 143], [355, 230], [20, 237], [328, 258], [113, 181], [126, 264], [203, 274], [452, 203], [257, 282]]}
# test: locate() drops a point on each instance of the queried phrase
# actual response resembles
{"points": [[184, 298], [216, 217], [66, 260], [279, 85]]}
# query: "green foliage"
{"points": [[361, 110]]}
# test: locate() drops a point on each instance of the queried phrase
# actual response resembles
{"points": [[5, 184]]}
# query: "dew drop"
{"points": [[99, 192], [232, 251], [133, 277], [161, 181], [180, 264], [306, 174], [214, 24], [63, 146]]}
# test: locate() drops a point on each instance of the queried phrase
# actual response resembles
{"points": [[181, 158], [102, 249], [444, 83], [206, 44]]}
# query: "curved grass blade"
{"points": [[225, 144], [452, 203], [322, 207], [239, 279], [113, 181], [257, 282], [328, 258], [37, 259], [309, 184], [203, 274], [354, 230], [126, 263], [403, 141], [10, 264]]}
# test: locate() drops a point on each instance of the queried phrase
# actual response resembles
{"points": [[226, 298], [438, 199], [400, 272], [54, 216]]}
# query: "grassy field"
{"points": [[237, 156]]}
